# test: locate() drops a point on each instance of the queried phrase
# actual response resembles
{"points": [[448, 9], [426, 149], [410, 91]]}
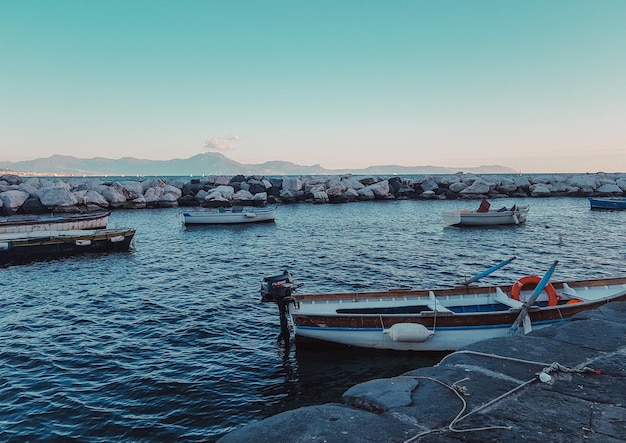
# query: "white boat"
{"points": [[485, 216], [234, 215], [437, 319], [54, 222], [38, 245]]}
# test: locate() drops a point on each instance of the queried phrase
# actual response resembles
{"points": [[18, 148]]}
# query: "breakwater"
{"points": [[32, 195]]}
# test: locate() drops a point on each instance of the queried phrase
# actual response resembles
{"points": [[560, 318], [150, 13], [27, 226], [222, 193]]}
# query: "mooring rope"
{"points": [[461, 391]]}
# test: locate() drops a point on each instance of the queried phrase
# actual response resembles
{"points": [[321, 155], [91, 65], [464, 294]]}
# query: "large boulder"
{"points": [[130, 189], [12, 200], [111, 195], [609, 189], [586, 183], [478, 187], [225, 191], [352, 183], [11, 179], [429, 184], [381, 189], [293, 184], [56, 196], [243, 196], [539, 190]]}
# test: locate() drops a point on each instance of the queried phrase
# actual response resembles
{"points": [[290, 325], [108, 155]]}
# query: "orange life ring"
{"points": [[553, 299]]}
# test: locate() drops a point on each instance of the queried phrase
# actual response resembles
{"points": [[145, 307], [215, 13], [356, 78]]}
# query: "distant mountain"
{"points": [[212, 163]]}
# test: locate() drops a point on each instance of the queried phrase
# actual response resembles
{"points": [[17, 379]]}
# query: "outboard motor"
{"points": [[278, 289], [275, 289]]}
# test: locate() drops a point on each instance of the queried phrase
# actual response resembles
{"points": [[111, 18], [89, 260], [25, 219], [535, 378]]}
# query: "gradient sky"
{"points": [[539, 86]]}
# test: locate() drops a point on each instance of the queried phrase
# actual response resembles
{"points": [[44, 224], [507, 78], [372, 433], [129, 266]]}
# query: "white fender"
{"points": [[413, 332]]}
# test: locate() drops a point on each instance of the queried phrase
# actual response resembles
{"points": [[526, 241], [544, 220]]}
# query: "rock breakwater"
{"points": [[32, 195]]}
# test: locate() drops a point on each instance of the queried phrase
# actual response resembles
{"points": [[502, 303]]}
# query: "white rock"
{"points": [[56, 196], [13, 199], [320, 197], [583, 181], [479, 186], [609, 188], [242, 195], [226, 192], [352, 183], [539, 190], [458, 187], [292, 184], [260, 197], [366, 193], [111, 195], [380, 189]]}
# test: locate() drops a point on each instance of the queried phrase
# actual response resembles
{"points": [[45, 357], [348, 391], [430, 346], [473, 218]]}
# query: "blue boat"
{"points": [[610, 203]]}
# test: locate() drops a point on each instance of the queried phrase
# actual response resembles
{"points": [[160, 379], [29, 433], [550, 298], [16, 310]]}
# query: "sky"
{"points": [[535, 85]]}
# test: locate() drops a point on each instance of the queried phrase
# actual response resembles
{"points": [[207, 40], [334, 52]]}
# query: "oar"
{"points": [[489, 271], [533, 297]]}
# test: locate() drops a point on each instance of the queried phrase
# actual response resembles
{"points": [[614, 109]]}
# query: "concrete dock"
{"points": [[564, 383]]}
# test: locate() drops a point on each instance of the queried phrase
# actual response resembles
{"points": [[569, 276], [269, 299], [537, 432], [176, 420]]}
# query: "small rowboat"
{"points": [[234, 215], [433, 319], [485, 216], [608, 203], [37, 245], [52, 222]]}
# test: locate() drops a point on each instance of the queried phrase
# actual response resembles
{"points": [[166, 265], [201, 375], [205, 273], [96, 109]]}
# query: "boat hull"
{"points": [[39, 245], [62, 222], [229, 217], [463, 316], [608, 203]]}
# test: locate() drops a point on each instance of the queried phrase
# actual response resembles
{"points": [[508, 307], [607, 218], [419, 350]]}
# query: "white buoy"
{"points": [[545, 377]]}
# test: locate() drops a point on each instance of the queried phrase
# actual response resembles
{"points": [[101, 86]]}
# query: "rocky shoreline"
{"points": [[563, 383], [33, 195]]}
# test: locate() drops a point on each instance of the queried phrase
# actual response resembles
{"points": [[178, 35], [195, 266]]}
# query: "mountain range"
{"points": [[212, 163]]}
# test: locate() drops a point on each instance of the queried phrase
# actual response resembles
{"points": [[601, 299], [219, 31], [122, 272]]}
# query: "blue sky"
{"points": [[539, 86]]}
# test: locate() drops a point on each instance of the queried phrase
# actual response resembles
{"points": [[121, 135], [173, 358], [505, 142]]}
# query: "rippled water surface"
{"points": [[170, 342]]}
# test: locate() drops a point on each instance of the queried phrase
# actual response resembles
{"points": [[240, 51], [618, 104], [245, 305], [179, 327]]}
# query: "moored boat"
{"points": [[443, 319], [36, 245], [608, 203], [234, 215], [54, 222], [485, 216]]}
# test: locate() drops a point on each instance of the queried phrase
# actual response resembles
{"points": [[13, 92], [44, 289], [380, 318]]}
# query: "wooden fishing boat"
{"points": [[608, 203], [53, 222], [36, 245], [234, 215], [515, 215], [436, 319]]}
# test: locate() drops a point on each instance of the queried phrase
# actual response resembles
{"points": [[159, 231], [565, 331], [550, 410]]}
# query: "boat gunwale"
{"points": [[25, 220], [37, 238], [442, 292]]}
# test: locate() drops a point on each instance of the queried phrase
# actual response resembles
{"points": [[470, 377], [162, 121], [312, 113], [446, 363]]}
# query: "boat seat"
{"points": [[501, 297], [572, 293], [435, 305]]}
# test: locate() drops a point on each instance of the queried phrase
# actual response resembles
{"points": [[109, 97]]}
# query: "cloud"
{"points": [[222, 144]]}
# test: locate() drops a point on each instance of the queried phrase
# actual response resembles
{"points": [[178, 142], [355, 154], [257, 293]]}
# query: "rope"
{"points": [[461, 391]]}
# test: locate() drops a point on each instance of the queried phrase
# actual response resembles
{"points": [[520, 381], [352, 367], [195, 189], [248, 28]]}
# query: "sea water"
{"points": [[171, 343]]}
